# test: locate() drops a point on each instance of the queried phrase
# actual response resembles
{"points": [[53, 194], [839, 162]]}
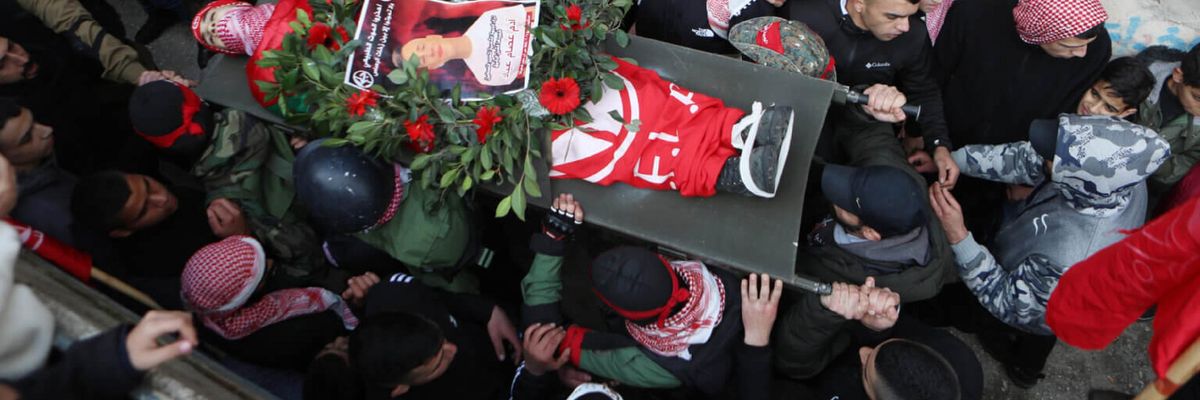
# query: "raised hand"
{"points": [[501, 330], [358, 286], [759, 306], [142, 341], [845, 300]]}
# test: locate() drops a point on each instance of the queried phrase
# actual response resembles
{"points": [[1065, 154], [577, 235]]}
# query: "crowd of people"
{"points": [[321, 272]]}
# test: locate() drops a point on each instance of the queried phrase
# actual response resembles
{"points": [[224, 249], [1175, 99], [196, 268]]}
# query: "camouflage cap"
{"points": [[788, 45]]}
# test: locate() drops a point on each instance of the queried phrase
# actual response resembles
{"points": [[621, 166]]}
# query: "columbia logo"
{"points": [[878, 65]]}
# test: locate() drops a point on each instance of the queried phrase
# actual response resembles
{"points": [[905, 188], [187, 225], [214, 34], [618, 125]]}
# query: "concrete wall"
{"points": [[1137, 24]]}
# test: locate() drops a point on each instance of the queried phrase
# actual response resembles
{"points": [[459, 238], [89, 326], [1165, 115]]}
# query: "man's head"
{"points": [[398, 350], [1123, 85], [874, 202], [171, 117], [1096, 161], [224, 26], [637, 284], [901, 369], [23, 141], [886, 19], [1187, 81], [120, 204], [344, 189], [15, 63], [1062, 28]]}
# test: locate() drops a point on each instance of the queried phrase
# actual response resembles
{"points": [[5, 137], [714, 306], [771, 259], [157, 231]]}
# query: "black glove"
{"points": [[559, 225]]}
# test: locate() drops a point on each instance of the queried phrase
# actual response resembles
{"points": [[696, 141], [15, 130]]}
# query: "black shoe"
{"points": [[156, 23], [1021, 377], [767, 154]]}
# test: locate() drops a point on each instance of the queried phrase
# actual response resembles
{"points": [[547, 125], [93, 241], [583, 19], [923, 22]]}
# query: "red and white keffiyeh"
{"points": [[221, 277], [934, 19], [721, 11], [694, 323], [1045, 21], [240, 29]]}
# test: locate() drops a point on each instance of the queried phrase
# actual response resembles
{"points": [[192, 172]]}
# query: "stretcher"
{"points": [[727, 230]]}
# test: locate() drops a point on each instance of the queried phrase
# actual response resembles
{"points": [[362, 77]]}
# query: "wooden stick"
{"points": [[1180, 372], [120, 286]]}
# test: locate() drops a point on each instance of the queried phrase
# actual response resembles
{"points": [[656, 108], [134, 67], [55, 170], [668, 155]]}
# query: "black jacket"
{"points": [[994, 84], [685, 23], [96, 368], [474, 373], [862, 60]]}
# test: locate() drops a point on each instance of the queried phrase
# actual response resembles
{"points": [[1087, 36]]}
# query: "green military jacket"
{"points": [[1182, 133], [250, 163], [430, 233]]}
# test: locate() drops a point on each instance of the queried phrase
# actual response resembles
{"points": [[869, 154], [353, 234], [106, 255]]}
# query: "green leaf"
{"points": [[448, 178], [531, 186], [303, 17], [606, 63], [633, 127], [503, 207], [466, 184], [546, 41], [296, 27], [420, 162], [323, 55], [518, 203], [487, 175], [362, 127], [310, 70], [485, 157], [616, 115], [612, 81]]}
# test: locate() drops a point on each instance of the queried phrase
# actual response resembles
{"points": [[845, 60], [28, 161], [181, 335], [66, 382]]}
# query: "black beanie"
{"points": [[155, 108], [632, 278]]}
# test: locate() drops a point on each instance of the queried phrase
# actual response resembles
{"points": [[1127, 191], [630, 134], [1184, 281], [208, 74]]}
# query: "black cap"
{"points": [[884, 198], [1043, 135], [344, 190], [631, 278]]}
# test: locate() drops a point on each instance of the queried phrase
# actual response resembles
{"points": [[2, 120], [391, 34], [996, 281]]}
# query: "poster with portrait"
{"points": [[483, 45]]}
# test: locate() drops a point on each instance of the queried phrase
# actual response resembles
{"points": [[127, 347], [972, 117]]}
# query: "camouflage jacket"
{"points": [[250, 163], [1096, 189]]}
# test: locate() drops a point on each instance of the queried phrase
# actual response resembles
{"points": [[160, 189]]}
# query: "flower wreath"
{"points": [[458, 145]]}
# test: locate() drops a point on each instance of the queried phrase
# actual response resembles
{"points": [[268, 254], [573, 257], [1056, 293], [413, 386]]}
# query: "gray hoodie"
{"points": [[1096, 189]]}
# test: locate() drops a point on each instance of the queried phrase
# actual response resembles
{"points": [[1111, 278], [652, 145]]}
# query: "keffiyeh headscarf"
{"points": [[1045, 21], [220, 278], [694, 323], [240, 29]]}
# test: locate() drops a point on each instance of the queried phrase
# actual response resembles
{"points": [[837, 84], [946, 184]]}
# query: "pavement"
{"points": [[1070, 372]]}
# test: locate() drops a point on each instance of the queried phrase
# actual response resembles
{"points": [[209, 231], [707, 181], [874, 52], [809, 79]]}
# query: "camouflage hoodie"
{"points": [[1096, 188]]}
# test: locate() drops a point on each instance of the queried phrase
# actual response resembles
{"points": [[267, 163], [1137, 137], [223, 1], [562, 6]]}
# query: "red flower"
{"points": [[318, 35], [357, 103], [486, 117], [321, 35], [420, 134], [560, 96], [575, 15]]}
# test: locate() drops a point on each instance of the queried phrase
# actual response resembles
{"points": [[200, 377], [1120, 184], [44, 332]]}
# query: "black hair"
{"points": [[1191, 67], [329, 376], [9, 108], [98, 199], [385, 348], [1130, 79], [1091, 33], [907, 370]]}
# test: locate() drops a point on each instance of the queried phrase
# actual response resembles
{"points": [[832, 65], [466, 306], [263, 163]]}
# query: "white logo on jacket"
{"points": [[1044, 228]]}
